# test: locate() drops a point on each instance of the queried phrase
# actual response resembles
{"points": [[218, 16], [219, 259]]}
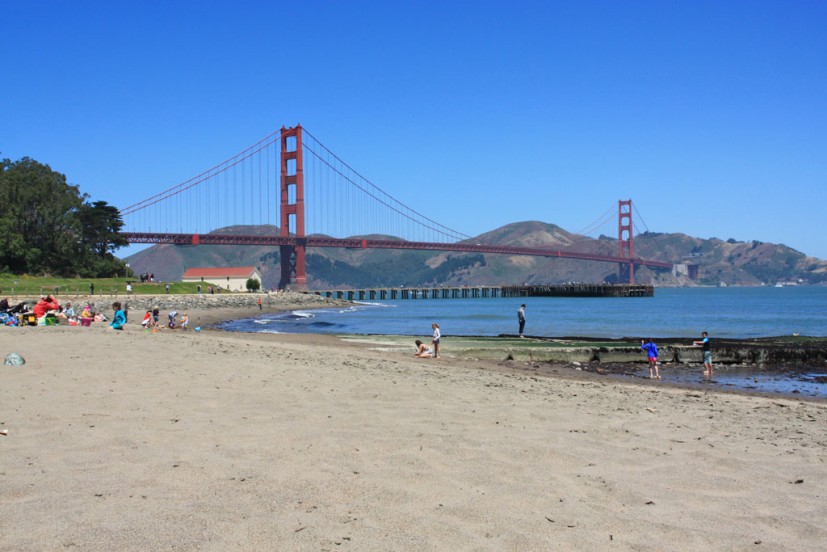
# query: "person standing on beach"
{"points": [[652, 353], [521, 318], [435, 340], [704, 342], [259, 303]]}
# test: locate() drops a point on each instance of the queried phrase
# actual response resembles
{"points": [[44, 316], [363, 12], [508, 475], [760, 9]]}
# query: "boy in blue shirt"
{"points": [[707, 348], [651, 352]]}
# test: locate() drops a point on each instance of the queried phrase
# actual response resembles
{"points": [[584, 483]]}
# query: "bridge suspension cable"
{"points": [[640, 218], [409, 218], [243, 191], [601, 221]]}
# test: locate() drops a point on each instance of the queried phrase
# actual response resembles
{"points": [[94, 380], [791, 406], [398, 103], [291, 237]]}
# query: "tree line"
{"points": [[48, 227]]}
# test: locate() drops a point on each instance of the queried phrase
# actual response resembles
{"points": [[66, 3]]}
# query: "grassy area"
{"points": [[31, 286]]}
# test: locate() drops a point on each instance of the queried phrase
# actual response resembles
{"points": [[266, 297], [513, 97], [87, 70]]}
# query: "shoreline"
{"points": [[607, 359]]}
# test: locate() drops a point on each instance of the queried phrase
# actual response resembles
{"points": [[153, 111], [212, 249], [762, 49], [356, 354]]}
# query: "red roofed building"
{"points": [[233, 278]]}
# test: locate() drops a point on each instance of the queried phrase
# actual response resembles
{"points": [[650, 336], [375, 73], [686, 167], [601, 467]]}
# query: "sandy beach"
{"points": [[214, 441]]}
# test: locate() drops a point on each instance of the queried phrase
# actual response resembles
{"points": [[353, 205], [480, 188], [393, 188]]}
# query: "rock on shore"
{"points": [[271, 301]]}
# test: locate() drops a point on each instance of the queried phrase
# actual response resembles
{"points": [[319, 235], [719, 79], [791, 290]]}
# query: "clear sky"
{"points": [[710, 115]]}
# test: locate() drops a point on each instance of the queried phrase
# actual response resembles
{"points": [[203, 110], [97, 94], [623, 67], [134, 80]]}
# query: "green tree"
{"points": [[46, 226], [253, 284], [38, 227], [100, 226]]}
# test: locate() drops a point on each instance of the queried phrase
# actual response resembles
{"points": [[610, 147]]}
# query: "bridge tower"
{"points": [[293, 269], [625, 238]]}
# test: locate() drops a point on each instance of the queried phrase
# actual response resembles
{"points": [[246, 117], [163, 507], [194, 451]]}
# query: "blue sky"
{"points": [[710, 115]]}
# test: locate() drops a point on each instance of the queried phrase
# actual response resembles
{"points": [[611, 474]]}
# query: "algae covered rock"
{"points": [[13, 359]]}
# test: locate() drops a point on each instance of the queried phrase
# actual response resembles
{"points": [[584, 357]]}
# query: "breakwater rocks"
{"points": [[770, 352], [182, 303]]}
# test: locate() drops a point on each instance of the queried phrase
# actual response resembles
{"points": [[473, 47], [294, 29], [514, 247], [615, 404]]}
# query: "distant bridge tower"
{"points": [[293, 269], [625, 238]]}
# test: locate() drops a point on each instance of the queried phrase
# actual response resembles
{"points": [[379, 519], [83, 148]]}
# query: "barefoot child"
{"points": [[651, 352], [707, 348], [422, 350]]}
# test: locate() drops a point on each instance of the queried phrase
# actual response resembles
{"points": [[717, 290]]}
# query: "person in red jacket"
{"points": [[46, 304]]}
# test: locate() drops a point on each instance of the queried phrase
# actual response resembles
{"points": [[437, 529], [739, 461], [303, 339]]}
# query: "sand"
{"points": [[214, 441]]}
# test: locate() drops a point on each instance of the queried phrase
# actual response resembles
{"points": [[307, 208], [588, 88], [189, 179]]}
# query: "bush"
{"points": [[253, 285]]}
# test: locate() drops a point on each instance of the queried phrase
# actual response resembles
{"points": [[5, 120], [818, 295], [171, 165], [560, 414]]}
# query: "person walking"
{"points": [[521, 318], [652, 353], [707, 349], [259, 303], [435, 340]]}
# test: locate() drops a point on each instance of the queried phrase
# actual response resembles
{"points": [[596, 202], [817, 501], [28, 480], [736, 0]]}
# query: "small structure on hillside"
{"points": [[233, 278]]}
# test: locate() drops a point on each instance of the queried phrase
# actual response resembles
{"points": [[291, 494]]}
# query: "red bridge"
{"points": [[240, 189]]}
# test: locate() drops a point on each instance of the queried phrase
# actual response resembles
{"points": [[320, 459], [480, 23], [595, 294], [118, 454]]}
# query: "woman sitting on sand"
{"points": [[422, 351]]}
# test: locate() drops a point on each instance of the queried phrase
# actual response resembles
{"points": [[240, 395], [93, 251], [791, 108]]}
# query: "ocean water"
{"points": [[673, 312]]}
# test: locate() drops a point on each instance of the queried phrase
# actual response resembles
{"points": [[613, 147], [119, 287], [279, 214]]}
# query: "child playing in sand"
{"points": [[147, 321], [422, 351], [185, 320], [651, 352], [119, 319]]}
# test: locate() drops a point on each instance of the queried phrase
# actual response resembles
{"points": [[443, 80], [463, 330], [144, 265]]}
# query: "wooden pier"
{"points": [[482, 292]]}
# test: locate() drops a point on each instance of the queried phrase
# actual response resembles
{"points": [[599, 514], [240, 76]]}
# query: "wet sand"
{"points": [[215, 441]]}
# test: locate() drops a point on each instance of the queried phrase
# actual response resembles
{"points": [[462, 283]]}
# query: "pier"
{"points": [[483, 292]]}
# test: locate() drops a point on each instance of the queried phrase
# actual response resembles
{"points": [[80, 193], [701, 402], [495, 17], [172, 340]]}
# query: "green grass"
{"points": [[30, 286]]}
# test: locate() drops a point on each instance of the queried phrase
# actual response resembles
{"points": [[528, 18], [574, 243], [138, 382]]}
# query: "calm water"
{"points": [[673, 312]]}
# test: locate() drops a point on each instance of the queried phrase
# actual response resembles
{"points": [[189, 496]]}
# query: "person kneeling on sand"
{"points": [[119, 319], [422, 351], [147, 321]]}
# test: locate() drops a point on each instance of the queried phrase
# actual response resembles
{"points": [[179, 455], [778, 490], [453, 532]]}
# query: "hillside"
{"points": [[729, 262]]}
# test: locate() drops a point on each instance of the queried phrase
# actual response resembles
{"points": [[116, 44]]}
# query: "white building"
{"points": [[228, 278]]}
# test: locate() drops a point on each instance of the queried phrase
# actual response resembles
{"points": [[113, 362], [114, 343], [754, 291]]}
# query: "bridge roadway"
{"points": [[481, 292], [223, 239]]}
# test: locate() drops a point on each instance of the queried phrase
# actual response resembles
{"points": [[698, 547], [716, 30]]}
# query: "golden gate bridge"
{"points": [[291, 179]]}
